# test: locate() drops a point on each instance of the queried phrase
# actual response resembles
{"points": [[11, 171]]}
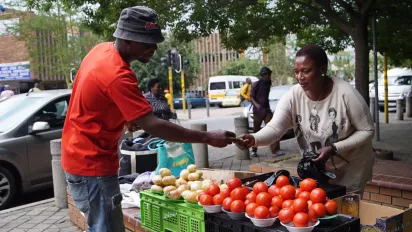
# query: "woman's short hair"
{"points": [[152, 83], [315, 53]]}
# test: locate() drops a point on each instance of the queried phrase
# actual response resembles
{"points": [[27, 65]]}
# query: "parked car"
{"points": [[27, 124], [195, 101], [231, 98], [275, 94], [399, 87]]}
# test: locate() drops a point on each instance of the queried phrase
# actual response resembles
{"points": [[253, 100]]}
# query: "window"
{"points": [[396, 80], [237, 84], [232, 93], [217, 85], [54, 113]]}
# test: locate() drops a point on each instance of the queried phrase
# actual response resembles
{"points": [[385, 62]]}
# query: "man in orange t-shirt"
{"points": [[106, 98]]}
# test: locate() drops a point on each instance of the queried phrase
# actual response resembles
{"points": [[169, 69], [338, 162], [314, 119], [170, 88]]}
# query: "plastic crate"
{"points": [[332, 191], [160, 215], [220, 222]]}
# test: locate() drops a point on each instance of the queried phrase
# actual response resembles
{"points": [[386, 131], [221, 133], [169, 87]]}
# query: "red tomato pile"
{"points": [[212, 195], [300, 205]]}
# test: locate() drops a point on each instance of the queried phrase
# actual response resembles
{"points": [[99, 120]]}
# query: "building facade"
{"points": [[17, 69], [213, 57]]}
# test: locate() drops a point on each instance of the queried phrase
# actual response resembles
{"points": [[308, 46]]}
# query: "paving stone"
{"points": [[36, 220], [64, 225], [72, 229], [52, 209], [47, 213], [41, 217], [42, 226], [49, 221], [26, 226], [2, 229], [18, 230], [57, 217], [34, 213], [52, 230], [35, 230]]}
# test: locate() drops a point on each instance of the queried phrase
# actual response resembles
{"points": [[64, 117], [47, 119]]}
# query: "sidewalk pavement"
{"points": [[36, 217], [45, 216]]}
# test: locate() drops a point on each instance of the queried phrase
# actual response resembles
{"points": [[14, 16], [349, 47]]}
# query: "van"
{"points": [[399, 87], [218, 85]]}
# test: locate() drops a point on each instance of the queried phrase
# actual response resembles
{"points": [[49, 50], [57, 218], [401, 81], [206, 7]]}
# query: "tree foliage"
{"points": [[331, 24], [155, 69], [245, 67]]}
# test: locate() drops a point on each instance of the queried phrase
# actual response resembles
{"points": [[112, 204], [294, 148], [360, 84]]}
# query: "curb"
{"points": [[27, 206]]}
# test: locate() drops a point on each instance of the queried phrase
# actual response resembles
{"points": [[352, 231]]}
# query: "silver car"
{"points": [[275, 94], [27, 124]]}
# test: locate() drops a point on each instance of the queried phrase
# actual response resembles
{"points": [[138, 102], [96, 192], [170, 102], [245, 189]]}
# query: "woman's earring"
{"points": [[323, 74]]}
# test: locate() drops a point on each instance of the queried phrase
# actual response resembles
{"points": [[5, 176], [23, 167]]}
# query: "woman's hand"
{"points": [[248, 142], [324, 154]]}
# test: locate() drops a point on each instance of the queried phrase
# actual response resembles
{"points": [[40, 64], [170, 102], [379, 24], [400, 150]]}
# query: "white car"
{"points": [[276, 93], [399, 87]]}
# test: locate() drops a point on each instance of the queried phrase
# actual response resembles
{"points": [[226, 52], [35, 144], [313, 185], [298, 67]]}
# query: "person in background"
{"points": [[158, 102], [1, 88], [105, 99], [260, 99], [329, 117], [245, 92], [35, 88], [7, 92], [168, 97]]}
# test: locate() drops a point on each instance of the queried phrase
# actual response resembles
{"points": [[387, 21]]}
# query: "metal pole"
{"points": [[375, 73], [385, 83], [372, 108], [189, 108], [207, 107], [399, 109], [59, 178], [169, 61], [183, 89], [200, 150], [241, 127], [409, 106]]}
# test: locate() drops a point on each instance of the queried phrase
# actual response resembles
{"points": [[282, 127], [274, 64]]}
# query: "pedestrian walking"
{"points": [[245, 92], [260, 100], [7, 92], [105, 99]]}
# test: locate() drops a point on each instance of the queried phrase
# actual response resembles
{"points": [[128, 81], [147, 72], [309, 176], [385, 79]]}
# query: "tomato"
{"points": [[310, 203], [225, 192], [264, 199], [234, 183], [287, 204], [251, 197], [238, 194], [250, 209], [298, 191], [277, 201], [318, 195], [331, 207], [308, 184], [304, 195], [246, 189], [301, 220], [300, 205], [288, 192], [213, 190], [237, 206], [199, 195], [272, 190], [313, 216], [320, 209], [260, 187], [226, 203], [282, 181], [206, 199], [247, 201], [286, 215], [261, 212], [218, 199], [273, 211]]}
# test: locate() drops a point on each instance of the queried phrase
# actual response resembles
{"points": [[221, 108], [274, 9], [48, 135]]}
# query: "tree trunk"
{"points": [[360, 38]]}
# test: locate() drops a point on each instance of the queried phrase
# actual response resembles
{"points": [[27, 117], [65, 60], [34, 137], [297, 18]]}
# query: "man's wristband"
{"points": [[335, 149]]}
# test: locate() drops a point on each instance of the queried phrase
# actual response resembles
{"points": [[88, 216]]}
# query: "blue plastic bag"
{"points": [[174, 156]]}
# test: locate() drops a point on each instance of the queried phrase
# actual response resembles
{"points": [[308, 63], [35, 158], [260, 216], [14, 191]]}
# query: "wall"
{"points": [[388, 196]]}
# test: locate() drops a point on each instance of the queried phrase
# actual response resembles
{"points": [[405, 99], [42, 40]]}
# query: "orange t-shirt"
{"points": [[105, 95]]}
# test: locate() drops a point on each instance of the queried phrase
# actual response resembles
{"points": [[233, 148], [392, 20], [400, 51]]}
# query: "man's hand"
{"points": [[324, 154], [248, 142], [131, 126], [219, 138]]}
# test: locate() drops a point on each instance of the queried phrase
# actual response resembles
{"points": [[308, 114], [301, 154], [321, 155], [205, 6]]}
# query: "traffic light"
{"points": [[164, 61]]}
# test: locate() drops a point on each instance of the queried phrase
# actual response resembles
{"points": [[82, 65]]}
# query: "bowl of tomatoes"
{"points": [[262, 222], [291, 227]]}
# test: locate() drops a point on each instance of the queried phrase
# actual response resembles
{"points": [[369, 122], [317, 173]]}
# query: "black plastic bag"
{"points": [[307, 168]]}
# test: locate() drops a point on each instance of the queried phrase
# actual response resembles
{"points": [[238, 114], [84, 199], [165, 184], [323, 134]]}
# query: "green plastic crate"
{"points": [[161, 215]]}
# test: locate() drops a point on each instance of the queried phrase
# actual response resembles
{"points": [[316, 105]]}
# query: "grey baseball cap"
{"points": [[139, 24]]}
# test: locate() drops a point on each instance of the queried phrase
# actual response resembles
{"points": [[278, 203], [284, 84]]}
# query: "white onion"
{"points": [[191, 168], [165, 172]]}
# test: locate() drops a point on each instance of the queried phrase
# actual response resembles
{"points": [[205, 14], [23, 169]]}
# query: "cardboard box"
{"points": [[374, 217], [221, 176]]}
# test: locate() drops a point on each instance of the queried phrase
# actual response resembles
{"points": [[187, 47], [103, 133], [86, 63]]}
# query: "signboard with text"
{"points": [[15, 71]]}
